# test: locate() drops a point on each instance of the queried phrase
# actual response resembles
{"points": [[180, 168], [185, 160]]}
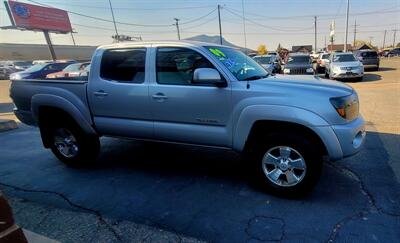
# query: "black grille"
{"points": [[298, 71]]}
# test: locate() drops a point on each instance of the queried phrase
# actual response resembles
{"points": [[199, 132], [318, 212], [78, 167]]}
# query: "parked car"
{"points": [[271, 63], [369, 59], [18, 65], [344, 65], [40, 71], [298, 63], [34, 62], [72, 70], [323, 58], [199, 94], [5, 72], [393, 53]]}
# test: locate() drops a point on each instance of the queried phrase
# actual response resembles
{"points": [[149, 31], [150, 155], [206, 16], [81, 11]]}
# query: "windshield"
{"points": [[369, 54], [23, 63], [344, 58], [36, 67], [72, 68], [238, 63], [263, 60], [325, 56], [298, 59]]}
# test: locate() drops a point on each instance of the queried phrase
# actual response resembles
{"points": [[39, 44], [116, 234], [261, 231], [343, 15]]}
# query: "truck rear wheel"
{"points": [[71, 145], [286, 164]]}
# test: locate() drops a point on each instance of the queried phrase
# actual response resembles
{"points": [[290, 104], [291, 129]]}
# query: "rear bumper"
{"points": [[25, 117]]}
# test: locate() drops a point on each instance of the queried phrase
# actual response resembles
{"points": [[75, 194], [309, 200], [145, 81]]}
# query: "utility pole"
{"points": [[370, 39], [73, 39], [315, 34], [384, 40], [325, 43], [219, 21], [115, 25], [355, 32], [347, 26], [394, 37], [177, 27]]}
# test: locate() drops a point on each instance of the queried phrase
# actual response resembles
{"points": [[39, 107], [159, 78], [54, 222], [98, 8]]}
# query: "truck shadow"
{"points": [[6, 107]]}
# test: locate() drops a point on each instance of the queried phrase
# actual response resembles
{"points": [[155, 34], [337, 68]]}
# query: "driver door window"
{"points": [[176, 65]]}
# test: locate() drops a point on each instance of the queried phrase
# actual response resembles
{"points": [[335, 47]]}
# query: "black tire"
{"points": [[88, 146], [305, 146]]}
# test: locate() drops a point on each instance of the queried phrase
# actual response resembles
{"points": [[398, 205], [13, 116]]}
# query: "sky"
{"points": [[269, 22]]}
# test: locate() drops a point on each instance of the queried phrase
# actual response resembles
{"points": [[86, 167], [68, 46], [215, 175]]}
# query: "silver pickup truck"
{"points": [[199, 94]]}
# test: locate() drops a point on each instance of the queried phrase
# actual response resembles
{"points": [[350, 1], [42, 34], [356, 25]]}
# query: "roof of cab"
{"points": [[147, 43]]}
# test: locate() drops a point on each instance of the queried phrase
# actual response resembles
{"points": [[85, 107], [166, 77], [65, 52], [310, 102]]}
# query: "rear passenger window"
{"points": [[124, 65]]}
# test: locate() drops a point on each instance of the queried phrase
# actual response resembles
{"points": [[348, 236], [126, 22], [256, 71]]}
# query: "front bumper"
{"points": [[343, 140], [348, 74]]}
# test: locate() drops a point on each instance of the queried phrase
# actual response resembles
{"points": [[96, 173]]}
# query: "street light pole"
{"points": [[347, 25], [315, 34], [177, 28]]}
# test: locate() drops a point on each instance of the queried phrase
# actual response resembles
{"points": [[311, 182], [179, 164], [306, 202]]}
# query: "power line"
{"points": [[124, 23], [263, 25]]}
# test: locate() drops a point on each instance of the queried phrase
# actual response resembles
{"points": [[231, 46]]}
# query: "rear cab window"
{"points": [[124, 65]]}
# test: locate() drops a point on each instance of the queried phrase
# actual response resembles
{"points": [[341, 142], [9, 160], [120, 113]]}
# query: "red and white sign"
{"points": [[33, 17]]}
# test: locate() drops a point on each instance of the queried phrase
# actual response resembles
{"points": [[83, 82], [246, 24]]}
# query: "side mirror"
{"points": [[208, 76]]}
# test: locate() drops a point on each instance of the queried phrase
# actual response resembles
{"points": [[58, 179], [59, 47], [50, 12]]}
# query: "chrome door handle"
{"points": [[159, 96], [100, 93]]}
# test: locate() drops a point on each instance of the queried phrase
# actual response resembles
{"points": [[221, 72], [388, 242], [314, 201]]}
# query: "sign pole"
{"points": [[50, 45]]}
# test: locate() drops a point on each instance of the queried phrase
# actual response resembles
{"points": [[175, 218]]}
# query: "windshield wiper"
{"points": [[255, 77]]}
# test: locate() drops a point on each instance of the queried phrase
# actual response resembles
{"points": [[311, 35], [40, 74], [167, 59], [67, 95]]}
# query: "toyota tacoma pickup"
{"points": [[199, 94]]}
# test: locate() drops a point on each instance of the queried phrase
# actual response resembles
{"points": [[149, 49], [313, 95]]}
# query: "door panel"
{"points": [[184, 112], [119, 97]]}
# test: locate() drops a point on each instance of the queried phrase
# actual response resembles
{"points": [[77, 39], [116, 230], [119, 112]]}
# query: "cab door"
{"points": [[118, 94], [184, 111]]}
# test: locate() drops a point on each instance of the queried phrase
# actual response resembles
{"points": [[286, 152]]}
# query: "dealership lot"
{"points": [[203, 193]]}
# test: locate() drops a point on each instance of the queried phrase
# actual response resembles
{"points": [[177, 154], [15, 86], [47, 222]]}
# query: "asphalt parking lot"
{"points": [[203, 193]]}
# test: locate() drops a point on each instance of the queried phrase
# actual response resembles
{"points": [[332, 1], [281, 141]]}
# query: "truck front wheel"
{"points": [[287, 164], [71, 145]]}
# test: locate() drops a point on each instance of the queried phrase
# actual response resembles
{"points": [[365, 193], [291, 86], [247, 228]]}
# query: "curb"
{"points": [[6, 125]]}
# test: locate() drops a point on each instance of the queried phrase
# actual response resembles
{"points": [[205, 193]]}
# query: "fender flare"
{"points": [[81, 116], [254, 113]]}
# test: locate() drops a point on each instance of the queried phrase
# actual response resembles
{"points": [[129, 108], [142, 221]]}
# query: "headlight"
{"points": [[309, 70], [346, 106], [15, 76], [336, 69], [286, 70]]}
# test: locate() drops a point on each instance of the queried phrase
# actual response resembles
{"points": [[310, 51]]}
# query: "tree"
{"points": [[398, 44], [262, 49]]}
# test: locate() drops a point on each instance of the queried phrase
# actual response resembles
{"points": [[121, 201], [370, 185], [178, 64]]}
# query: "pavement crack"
{"points": [[72, 204], [371, 208]]}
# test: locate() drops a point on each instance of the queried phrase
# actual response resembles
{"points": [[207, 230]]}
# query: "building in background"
{"points": [[29, 52]]}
